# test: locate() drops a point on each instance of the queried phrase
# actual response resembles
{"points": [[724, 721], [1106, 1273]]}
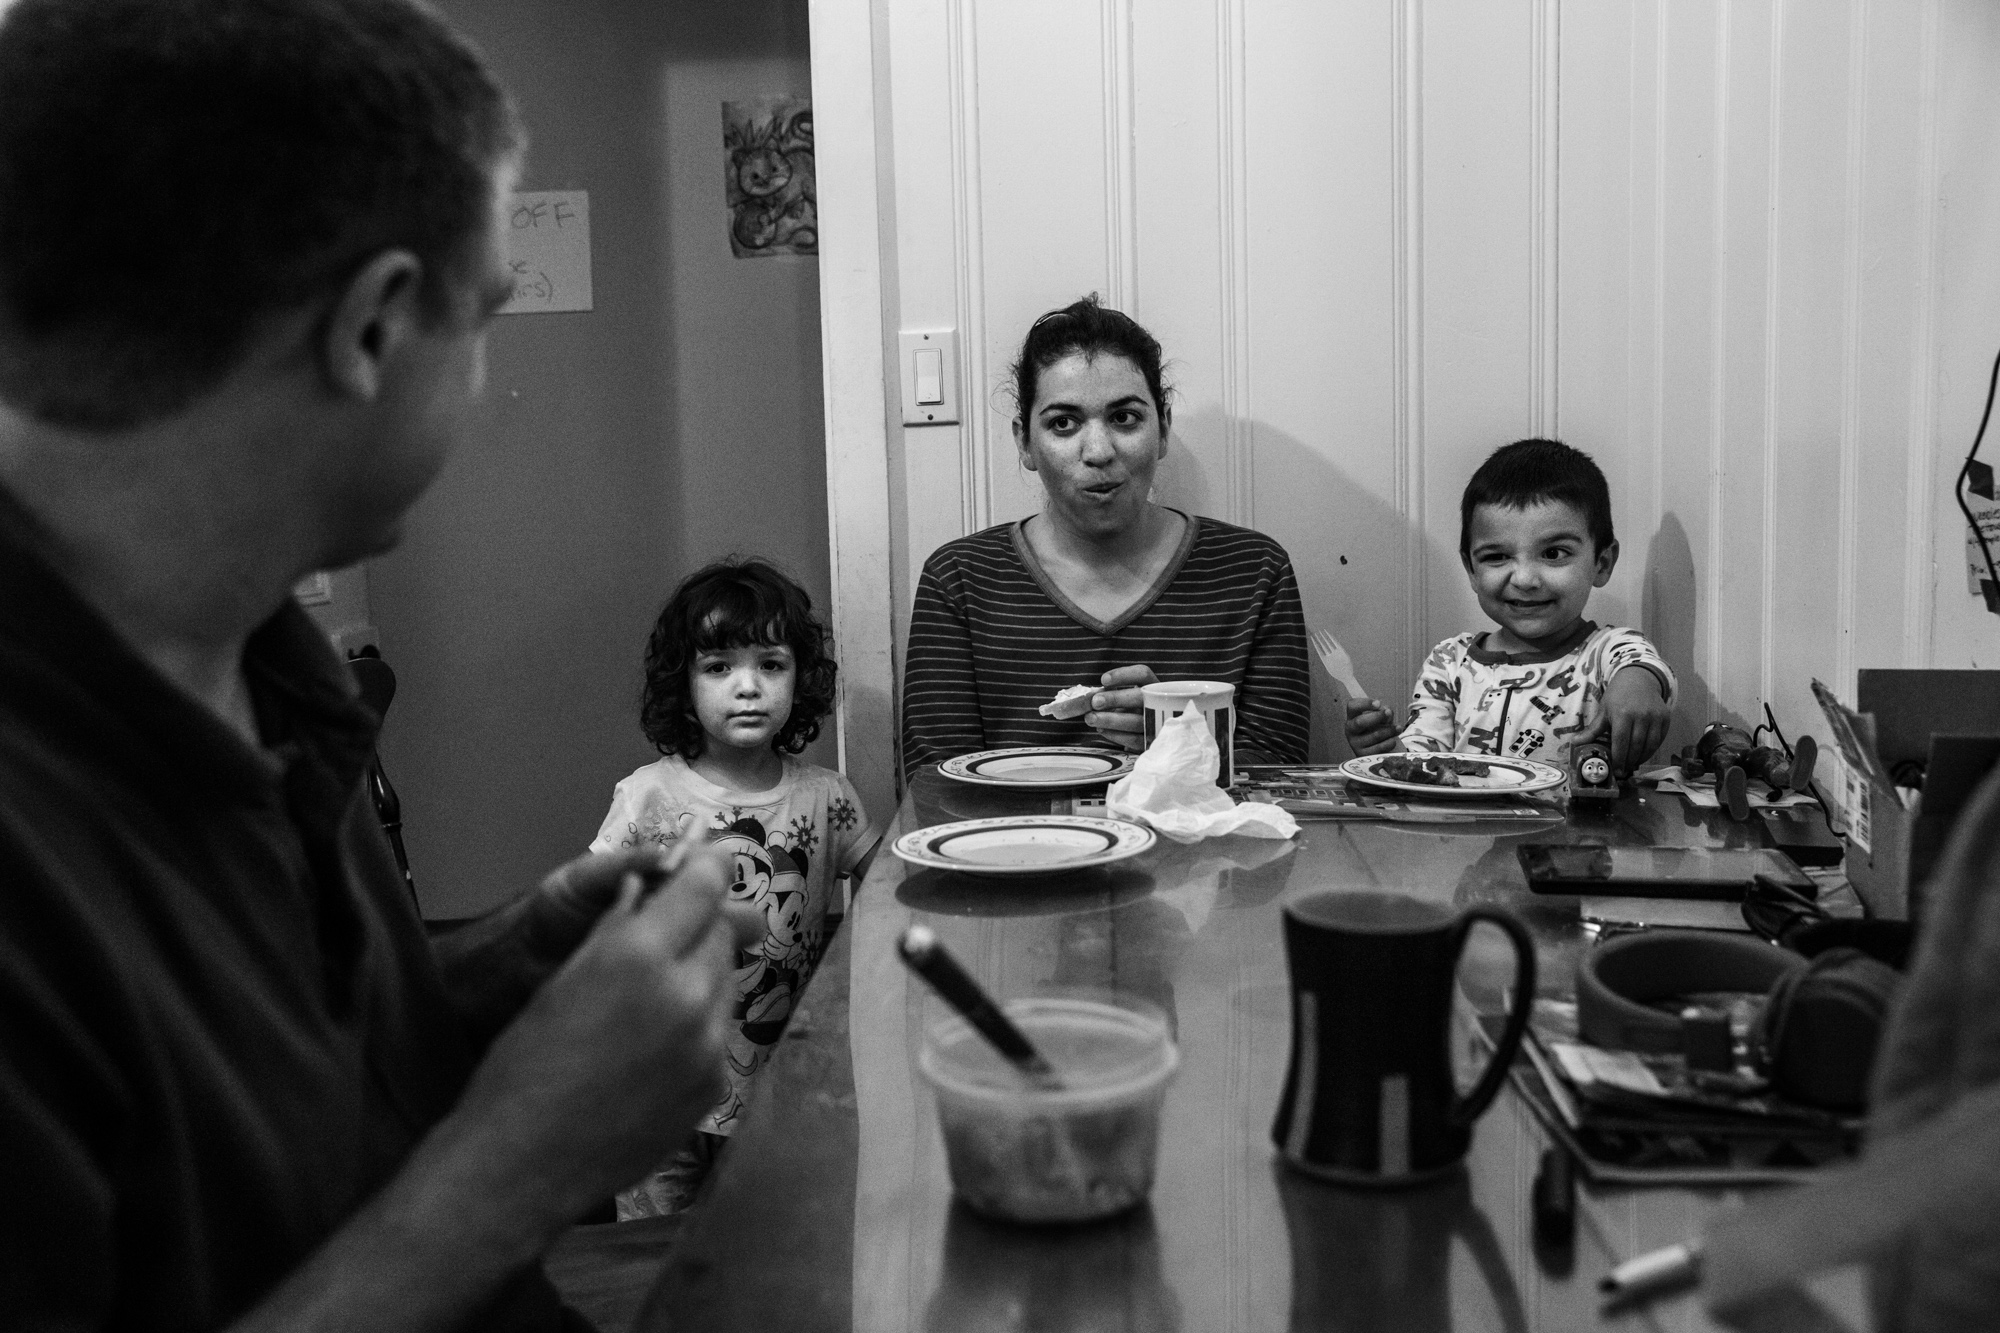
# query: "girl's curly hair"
{"points": [[733, 603]]}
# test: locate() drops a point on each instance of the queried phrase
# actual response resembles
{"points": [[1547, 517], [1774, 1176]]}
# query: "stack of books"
{"points": [[1634, 1119]]}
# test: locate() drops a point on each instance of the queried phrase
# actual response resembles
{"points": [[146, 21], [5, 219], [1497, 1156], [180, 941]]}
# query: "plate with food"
{"points": [[1024, 844], [1452, 776], [1040, 766]]}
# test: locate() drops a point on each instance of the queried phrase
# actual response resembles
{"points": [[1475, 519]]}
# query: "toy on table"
{"points": [[1590, 773], [1734, 758]]}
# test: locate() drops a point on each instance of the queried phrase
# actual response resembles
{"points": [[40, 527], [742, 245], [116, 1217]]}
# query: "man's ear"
{"points": [[1607, 560], [1021, 445], [374, 317]]}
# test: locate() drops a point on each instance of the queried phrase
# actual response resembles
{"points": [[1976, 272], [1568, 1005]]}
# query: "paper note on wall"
{"points": [[548, 247]]}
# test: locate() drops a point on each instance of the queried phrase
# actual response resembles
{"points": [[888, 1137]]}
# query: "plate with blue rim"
{"points": [[1040, 767], [1024, 844]]}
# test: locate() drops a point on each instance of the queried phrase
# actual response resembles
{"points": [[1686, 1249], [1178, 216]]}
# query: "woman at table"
{"points": [[1103, 587]]}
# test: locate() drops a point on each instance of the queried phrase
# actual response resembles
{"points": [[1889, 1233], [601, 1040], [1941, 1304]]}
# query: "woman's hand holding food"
{"points": [[1371, 727], [1118, 712]]}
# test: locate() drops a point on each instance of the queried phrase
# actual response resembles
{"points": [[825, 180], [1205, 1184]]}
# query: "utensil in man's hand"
{"points": [[1337, 663], [670, 864], [926, 956]]}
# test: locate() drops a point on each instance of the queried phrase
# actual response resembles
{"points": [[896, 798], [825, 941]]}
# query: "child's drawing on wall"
{"points": [[773, 203]]}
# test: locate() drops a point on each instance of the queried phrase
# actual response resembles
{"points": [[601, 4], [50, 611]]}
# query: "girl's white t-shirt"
{"points": [[788, 846]]}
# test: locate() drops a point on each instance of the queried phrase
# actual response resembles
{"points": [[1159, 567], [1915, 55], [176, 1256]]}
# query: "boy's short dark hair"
{"points": [[173, 170], [733, 603], [1529, 472]]}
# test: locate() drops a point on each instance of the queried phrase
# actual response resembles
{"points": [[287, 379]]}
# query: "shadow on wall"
{"points": [[1667, 616], [1347, 548]]}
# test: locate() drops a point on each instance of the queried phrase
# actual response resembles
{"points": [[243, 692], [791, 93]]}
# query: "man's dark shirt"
{"points": [[221, 1029]]}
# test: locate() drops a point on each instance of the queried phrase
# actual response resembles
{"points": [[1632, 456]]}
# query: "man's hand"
{"points": [[492, 965], [1632, 718], [620, 1052], [1117, 711], [1371, 728], [605, 1071], [568, 902]]}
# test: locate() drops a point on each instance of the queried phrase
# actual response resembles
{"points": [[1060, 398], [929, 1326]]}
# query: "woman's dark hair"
{"points": [[1090, 328], [733, 603]]}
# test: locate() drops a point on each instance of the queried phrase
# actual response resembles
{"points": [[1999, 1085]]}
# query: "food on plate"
{"points": [[1060, 1168], [1072, 702], [1431, 770]]}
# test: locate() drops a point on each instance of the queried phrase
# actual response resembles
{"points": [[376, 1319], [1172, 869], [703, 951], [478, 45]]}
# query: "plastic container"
{"points": [[1029, 1154], [1166, 700]]}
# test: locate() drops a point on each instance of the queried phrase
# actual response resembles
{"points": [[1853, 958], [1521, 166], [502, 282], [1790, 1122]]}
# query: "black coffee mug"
{"points": [[1369, 1097]]}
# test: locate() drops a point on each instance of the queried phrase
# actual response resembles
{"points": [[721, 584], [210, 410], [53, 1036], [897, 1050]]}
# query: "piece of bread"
{"points": [[1072, 702]]}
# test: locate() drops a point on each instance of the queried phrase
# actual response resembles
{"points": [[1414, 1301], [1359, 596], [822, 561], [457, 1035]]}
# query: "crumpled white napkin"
{"points": [[1172, 787]]}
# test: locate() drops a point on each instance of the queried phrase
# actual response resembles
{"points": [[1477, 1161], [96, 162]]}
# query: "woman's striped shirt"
{"points": [[992, 639]]}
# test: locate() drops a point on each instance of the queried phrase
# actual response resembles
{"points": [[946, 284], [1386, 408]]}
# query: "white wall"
{"points": [[1745, 254]]}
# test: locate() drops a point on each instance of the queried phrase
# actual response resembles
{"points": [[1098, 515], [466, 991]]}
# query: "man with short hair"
{"points": [[248, 249]]}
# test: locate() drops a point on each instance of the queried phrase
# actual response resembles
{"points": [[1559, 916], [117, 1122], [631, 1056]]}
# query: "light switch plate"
{"points": [[944, 341], [314, 589]]}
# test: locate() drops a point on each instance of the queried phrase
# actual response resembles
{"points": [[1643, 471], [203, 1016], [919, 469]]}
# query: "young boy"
{"points": [[1535, 538]]}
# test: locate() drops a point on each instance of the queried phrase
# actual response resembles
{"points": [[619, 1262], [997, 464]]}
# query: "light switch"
{"points": [[930, 377], [928, 369]]}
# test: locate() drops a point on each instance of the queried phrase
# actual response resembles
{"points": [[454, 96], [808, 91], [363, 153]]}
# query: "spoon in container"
{"points": [[926, 955]]}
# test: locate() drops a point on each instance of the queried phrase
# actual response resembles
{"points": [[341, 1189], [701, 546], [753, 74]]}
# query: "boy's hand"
{"points": [[1632, 718], [1371, 728]]}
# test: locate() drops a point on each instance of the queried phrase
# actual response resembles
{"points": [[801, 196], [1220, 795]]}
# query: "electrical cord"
{"points": [[1958, 490]]}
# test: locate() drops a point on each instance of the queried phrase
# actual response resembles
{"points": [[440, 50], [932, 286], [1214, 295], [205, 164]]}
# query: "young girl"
{"points": [[738, 678]]}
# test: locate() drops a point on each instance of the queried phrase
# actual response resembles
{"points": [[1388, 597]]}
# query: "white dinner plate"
{"points": [[1506, 777], [1039, 766], [1024, 844]]}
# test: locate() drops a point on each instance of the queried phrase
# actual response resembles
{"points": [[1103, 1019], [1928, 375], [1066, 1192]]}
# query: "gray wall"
{"points": [[616, 450]]}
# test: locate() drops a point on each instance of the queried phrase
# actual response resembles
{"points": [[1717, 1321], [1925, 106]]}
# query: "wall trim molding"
{"points": [[1719, 327], [1774, 204], [1545, 196], [1121, 169], [1407, 320], [1848, 542], [969, 252], [1233, 195], [1657, 389], [857, 311], [1920, 563]]}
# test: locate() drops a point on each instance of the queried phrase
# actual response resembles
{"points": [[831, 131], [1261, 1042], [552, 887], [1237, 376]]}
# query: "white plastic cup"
{"points": [[1167, 699], [1028, 1154]]}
